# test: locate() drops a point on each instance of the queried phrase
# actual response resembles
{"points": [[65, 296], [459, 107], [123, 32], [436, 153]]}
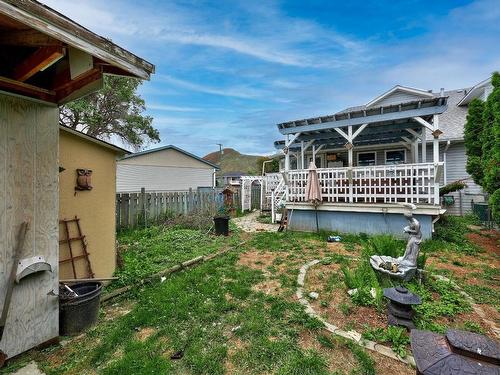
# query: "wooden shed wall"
{"points": [[29, 192]]}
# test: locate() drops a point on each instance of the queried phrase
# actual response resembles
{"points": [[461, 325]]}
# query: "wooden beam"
{"points": [[342, 133], [42, 58], [22, 88], [360, 129], [405, 145], [27, 38], [414, 133], [292, 139], [82, 81], [420, 120]]}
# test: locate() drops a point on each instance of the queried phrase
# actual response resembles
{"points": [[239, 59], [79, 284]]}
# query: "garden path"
{"points": [[249, 223]]}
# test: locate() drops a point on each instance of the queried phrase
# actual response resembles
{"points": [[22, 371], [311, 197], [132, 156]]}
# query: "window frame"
{"points": [[366, 152], [397, 149]]}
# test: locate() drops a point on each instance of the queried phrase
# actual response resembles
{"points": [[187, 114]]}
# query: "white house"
{"points": [[167, 168], [400, 147]]}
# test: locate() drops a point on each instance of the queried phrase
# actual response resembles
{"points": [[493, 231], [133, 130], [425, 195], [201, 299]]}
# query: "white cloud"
{"points": [[171, 108], [243, 92]]}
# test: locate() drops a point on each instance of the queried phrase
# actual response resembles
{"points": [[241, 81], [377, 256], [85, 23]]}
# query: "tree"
{"points": [[482, 143], [115, 110], [274, 166], [473, 143]]}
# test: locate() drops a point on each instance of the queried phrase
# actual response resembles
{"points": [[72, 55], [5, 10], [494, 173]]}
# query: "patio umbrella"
{"points": [[313, 190]]}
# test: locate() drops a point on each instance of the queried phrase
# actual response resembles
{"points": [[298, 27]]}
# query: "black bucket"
{"points": [[221, 225], [76, 314]]}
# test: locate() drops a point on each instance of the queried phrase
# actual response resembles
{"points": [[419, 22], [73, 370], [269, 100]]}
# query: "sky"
{"points": [[229, 71]]}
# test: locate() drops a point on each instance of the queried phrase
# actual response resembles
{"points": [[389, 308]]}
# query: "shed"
{"points": [[167, 168], [46, 59], [93, 207]]}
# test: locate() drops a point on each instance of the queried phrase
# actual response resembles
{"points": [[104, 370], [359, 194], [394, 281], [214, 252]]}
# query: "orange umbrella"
{"points": [[313, 190]]}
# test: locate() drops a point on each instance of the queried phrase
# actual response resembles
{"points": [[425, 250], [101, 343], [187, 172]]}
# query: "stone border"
{"points": [[350, 335]]}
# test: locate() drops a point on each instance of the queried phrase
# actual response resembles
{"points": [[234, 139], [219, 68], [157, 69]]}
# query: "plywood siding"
{"points": [[29, 192], [132, 178]]}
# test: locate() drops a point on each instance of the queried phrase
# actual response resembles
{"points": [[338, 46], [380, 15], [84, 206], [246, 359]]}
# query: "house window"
{"points": [[395, 157], [366, 158]]}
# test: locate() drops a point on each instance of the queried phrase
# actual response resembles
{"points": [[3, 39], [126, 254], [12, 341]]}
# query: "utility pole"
{"points": [[220, 149]]}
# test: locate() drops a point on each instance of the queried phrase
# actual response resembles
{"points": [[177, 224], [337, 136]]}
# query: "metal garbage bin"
{"points": [[221, 225], [76, 314]]}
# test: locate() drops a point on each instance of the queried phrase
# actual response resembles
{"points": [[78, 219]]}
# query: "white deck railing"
{"points": [[408, 183]]}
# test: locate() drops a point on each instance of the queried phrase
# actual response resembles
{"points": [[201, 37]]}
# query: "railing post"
{"points": [[272, 206]]}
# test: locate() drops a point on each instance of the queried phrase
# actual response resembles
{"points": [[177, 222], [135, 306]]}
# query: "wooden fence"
{"points": [[137, 209]]}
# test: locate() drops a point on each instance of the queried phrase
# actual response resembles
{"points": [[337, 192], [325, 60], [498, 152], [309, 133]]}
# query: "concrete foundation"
{"points": [[356, 222]]}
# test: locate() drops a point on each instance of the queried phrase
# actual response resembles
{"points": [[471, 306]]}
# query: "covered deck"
{"points": [[409, 172]]}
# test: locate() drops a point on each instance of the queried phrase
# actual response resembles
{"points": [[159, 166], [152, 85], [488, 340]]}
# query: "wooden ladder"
{"points": [[81, 237], [284, 220]]}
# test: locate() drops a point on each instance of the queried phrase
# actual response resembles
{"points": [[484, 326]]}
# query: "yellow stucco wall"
{"points": [[95, 208]]}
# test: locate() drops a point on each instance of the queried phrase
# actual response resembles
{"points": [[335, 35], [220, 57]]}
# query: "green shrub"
{"points": [[362, 278], [383, 245]]}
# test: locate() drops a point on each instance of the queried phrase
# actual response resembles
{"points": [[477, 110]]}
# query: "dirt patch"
{"points": [[144, 333], [489, 240], [270, 287], [117, 310], [257, 260], [234, 346], [388, 366]]}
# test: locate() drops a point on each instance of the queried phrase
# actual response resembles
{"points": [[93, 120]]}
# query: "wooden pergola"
{"points": [[403, 123]]}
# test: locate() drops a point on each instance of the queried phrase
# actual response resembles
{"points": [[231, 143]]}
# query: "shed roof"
{"points": [[100, 142], [46, 55], [169, 147]]}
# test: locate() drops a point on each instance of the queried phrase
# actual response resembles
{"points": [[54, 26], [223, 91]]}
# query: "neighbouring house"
{"points": [[46, 60], [93, 204], [400, 147], [167, 168], [231, 178]]}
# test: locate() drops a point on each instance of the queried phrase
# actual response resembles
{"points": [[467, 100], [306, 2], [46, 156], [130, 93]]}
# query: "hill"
{"points": [[232, 161]]}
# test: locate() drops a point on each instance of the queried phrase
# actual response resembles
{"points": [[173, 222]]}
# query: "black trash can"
{"points": [[76, 314], [221, 225]]}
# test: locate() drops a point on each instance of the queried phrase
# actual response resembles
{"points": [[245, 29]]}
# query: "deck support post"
{"points": [[435, 156], [302, 155], [286, 150], [424, 145]]}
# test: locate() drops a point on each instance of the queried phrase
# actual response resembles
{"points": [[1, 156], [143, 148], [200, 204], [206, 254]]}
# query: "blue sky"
{"points": [[227, 72]]}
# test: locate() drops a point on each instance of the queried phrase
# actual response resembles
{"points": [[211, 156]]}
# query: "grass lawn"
{"points": [[238, 313]]}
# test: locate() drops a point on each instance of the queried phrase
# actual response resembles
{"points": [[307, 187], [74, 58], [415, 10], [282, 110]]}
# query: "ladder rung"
{"points": [[72, 239], [74, 258]]}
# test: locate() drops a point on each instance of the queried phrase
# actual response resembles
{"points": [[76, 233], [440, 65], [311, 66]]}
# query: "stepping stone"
{"points": [[30, 369]]}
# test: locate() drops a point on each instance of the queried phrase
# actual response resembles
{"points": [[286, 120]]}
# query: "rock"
{"points": [[352, 292], [313, 295]]}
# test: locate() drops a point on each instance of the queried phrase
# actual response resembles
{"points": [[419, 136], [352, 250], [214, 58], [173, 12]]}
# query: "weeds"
{"points": [[396, 336]]}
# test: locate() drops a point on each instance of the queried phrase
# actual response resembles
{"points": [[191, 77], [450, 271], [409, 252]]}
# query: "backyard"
{"points": [[239, 313]]}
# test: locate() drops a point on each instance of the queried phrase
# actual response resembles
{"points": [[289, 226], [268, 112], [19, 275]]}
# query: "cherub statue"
{"points": [[403, 267]]}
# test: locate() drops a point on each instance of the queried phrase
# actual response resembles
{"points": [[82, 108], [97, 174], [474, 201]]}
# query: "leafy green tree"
{"points": [[274, 166], [482, 142], [115, 110], [473, 140], [491, 146]]}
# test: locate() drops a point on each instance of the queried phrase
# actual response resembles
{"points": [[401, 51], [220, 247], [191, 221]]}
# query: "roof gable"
{"points": [[169, 147], [399, 94]]}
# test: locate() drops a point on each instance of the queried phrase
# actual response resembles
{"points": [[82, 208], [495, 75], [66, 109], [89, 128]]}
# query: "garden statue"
{"points": [[403, 267]]}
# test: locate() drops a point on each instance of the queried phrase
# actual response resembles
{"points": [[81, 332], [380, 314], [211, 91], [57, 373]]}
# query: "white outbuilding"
{"points": [[166, 168]]}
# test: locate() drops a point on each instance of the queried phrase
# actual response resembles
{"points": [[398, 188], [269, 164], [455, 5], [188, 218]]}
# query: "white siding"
{"points": [[157, 178], [455, 170], [398, 97]]}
